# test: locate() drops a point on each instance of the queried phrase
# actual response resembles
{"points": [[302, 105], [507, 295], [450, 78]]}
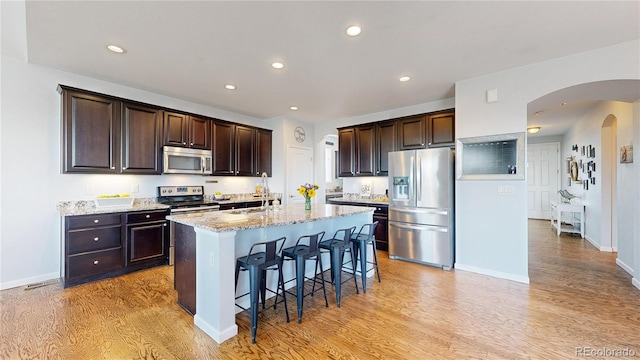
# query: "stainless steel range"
{"points": [[183, 200]]}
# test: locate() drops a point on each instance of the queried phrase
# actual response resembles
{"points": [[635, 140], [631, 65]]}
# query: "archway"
{"points": [[608, 179]]}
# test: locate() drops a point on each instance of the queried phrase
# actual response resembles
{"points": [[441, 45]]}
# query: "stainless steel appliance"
{"points": [[421, 206], [182, 200], [186, 161]]}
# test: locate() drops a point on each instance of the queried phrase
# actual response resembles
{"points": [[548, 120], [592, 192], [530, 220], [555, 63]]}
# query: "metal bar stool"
{"points": [[257, 263], [360, 241], [300, 253], [337, 247]]}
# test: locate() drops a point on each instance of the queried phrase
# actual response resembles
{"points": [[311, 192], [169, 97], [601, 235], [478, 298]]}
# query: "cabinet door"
{"points": [[382, 242], [199, 133], [346, 152], [141, 131], [412, 132], [147, 242], [245, 151], [385, 143], [365, 150], [441, 129], [175, 129], [263, 152], [223, 149], [91, 133]]}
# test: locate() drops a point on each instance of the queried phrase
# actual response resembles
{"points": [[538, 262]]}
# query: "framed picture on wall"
{"points": [[626, 154]]}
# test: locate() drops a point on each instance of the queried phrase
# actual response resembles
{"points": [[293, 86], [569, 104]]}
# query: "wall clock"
{"points": [[299, 134]]}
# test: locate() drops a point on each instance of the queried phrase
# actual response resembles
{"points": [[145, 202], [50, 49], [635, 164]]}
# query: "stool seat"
{"points": [[300, 253], [337, 246], [360, 240], [258, 263]]}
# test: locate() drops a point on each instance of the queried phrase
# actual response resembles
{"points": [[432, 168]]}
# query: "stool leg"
{"points": [[375, 257], [254, 283], [300, 262], [362, 246], [263, 287], [353, 267], [324, 291], [336, 269], [281, 285]]}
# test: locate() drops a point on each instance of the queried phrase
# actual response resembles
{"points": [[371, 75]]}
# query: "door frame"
{"points": [[559, 164]]}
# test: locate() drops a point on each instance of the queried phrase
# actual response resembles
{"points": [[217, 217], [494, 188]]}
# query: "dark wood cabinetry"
{"points": [[412, 132], [363, 150], [105, 245], [241, 150], [441, 129], [381, 215], [141, 131], [346, 152], [90, 133], [188, 131], [385, 143], [147, 238]]}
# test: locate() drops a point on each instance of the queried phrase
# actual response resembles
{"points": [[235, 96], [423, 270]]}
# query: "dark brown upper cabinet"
{"points": [[263, 158], [241, 150], [346, 152], [441, 129], [385, 143], [245, 151], [412, 132], [223, 149], [187, 131], [141, 132], [90, 132], [365, 150]]}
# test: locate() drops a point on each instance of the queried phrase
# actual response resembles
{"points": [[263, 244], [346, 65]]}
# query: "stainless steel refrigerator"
{"points": [[421, 206]]}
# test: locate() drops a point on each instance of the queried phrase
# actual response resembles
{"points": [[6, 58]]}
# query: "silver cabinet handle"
{"points": [[96, 221], [191, 144], [148, 216], [124, 168], [165, 224], [96, 238], [113, 168], [184, 143], [95, 262]]}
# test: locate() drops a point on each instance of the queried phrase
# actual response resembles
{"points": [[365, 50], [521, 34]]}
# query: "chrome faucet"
{"points": [[265, 191]]}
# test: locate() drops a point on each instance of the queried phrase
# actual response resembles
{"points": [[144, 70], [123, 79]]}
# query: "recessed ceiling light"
{"points": [[294, 108], [404, 78], [116, 49], [277, 65], [230, 87], [538, 112], [563, 104], [354, 30], [533, 129]]}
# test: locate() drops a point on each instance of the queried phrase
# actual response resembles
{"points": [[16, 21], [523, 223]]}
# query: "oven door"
{"points": [[185, 210]]}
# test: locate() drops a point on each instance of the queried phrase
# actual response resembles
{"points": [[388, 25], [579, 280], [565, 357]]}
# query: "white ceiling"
{"points": [[190, 50]]}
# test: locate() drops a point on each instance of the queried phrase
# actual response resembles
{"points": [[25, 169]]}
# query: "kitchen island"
{"points": [[207, 245]]}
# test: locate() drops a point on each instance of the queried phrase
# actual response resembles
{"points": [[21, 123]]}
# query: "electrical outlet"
{"points": [[135, 188], [211, 258]]}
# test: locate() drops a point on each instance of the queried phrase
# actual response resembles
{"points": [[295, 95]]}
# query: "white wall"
{"points": [[636, 176], [30, 165], [491, 230]]}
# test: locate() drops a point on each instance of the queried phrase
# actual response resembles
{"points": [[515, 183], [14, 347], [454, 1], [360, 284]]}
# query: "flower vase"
{"points": [[307, 204]]}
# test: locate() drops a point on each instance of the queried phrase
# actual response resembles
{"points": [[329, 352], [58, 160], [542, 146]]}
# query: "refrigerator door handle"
{"points": [[419, 227], [419, 178]]}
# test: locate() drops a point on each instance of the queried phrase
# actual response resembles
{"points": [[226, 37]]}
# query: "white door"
{"points": [[299, 172], [543, 178]]}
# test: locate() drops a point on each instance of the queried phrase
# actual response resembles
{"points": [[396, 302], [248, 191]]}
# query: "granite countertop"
{"points": [[73, 208], [372, 201], [253, 218], [239, 199]]}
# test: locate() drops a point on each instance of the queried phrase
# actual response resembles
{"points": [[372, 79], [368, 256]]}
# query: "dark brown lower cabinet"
{"points": [[184, 278], [100, 246]]}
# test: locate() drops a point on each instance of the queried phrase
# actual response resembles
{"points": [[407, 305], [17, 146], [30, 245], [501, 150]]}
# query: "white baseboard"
{"points": [[597, 246], [27, 281], [636, 282], [493, 273], [625, 267]]}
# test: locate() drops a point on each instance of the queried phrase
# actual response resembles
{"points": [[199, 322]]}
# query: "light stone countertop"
{"points": [[73, 208], [372, 201], [253, 218]]}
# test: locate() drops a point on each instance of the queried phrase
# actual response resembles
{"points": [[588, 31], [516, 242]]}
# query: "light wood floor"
{"points": [[578, 297]]}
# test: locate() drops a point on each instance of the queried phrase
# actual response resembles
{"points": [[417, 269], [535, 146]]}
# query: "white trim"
{"points": [[29, 280], [636, 282], [493, 273], [218, 336], [625, 267], [597, 246]]}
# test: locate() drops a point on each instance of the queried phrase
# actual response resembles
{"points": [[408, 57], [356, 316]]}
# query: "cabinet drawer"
{"points": [[94, 263], [93, 239], [75, 222], [381, 210], [145, 216]]}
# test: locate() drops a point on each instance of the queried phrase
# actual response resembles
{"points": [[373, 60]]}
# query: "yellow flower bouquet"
{"points": [[308, 191]]}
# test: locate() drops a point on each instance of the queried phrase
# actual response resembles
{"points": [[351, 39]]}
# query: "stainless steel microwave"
{"points": [[186, 161]]}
